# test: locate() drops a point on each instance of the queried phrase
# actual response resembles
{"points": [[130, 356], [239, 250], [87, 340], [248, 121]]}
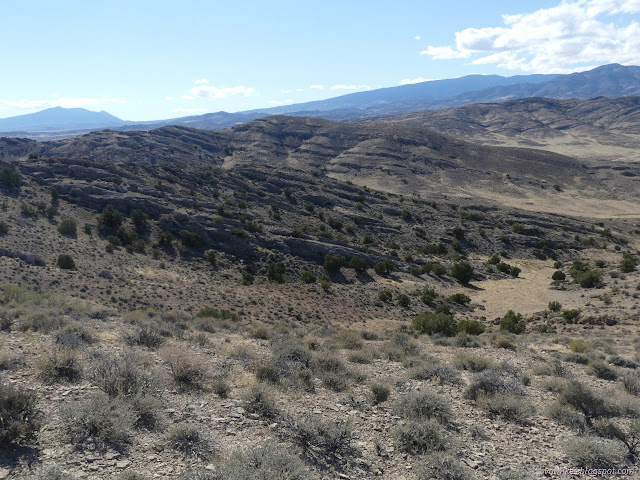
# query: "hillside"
{"points": [[188, 304], [595, 129], [393, 158]]}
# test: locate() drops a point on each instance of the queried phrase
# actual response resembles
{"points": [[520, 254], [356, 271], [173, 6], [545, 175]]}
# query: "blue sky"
{"points": [[143, 60]]}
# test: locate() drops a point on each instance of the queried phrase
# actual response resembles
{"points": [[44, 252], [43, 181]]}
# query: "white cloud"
{"points": [[168, 98], [215, 92], [351, 87], [417, 37], [201, 81], [189, 111], [316, 87], [564, 38], [409, 81], [187, 97]]}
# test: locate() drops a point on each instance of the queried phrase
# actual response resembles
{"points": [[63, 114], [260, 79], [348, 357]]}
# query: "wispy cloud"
{"points": [[351, 87], [201, 81], [417, 37], [409, 81], [215, 92], [316, 87], [570, 36]]}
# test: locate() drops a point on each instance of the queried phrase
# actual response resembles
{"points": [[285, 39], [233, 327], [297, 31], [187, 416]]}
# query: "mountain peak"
{"points": [[60, 118]]}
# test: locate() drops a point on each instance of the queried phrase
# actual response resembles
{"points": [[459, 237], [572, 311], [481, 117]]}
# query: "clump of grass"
{"points": [[122, 374], [423, 405], [43, 323], [187, 371], [491, 382], [600, 369], [380, 392], [99, 422], [146, 335], [324, 441], [191, 441], [509, 407], [61, 364], [266, 462], [593, 452], [472, 363], [438, 373], [420, 437], [19, 415], [443, 466], [631, 383], [260, 401]]}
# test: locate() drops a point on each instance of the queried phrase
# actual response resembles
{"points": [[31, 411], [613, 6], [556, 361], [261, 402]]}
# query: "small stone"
{"points": [[123, 464]]}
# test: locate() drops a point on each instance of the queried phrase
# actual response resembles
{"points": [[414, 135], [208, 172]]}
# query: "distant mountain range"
{"points": [[59, 118], [597, 128], [609, 80]]}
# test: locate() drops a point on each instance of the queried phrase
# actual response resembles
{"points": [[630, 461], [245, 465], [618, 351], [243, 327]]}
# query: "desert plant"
{"points": [[147, 335], [423, 405], [61, 364], [403, 300], [65, 261], [471, 327], [493, 382], [10, 178], [511, 408], [443, 466], [333, 263], [121, 375], [385, 267], [68, 226], [380, 392], [187, 371], [462, 271], [554, 306], [586, 401], [260, 401], [473, 363], [385, 296], [436, 372], [589, 279], [358, 264], [594, 453], [459, 298], [190, 239], [419, 437], [513, 322], [571, 315], [600, 369], [328, 440], [558, 276], [275, 272], [307, 277], [190, 441], [631, 383], [101, 421], [266, 462], [109, 220], [19, 416], [431, 323]]}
